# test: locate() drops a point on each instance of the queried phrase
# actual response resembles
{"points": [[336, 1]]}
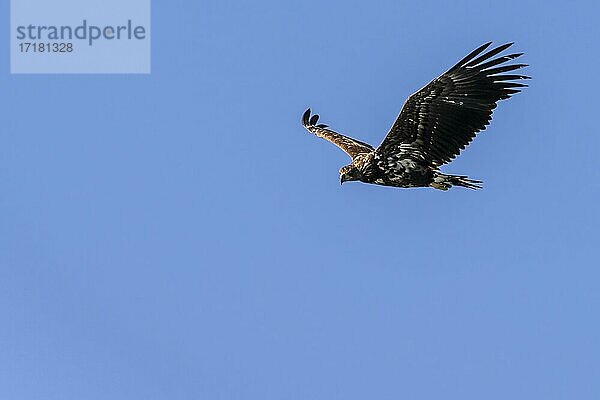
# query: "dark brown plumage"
{"points": [[434, 125]]}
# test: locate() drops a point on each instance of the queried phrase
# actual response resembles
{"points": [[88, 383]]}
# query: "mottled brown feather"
{"points": [[350, 146]]}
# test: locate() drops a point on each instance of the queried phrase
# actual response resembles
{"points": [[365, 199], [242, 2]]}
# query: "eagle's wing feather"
{"points": [[443, 117], [352, 147]]}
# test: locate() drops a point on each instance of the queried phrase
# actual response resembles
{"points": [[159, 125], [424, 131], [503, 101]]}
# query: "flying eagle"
{"points": [[434, 125]]}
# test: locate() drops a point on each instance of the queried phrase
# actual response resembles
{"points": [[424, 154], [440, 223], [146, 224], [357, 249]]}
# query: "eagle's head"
{"points": [[349, 173]]}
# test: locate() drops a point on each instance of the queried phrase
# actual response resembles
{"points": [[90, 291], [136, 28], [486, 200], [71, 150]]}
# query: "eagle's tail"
{"points": [[445, 182]]}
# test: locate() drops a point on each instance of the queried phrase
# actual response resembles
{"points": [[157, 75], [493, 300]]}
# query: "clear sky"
{"points": [[178, 235]]}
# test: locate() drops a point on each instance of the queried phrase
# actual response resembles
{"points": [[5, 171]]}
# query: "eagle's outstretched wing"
{"points": [[352, 147], [442, 118]]}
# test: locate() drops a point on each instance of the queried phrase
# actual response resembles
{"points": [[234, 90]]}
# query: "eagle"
{"points": [[434, 125]]}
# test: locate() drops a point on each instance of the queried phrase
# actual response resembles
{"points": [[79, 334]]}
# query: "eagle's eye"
{"points": [[348, 174]]}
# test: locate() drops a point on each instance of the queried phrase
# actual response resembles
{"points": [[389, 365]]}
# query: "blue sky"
{"points": [[178, 235]]}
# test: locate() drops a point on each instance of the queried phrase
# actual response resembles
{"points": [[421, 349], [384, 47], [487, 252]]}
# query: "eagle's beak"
{"points": [[342, 180]]}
